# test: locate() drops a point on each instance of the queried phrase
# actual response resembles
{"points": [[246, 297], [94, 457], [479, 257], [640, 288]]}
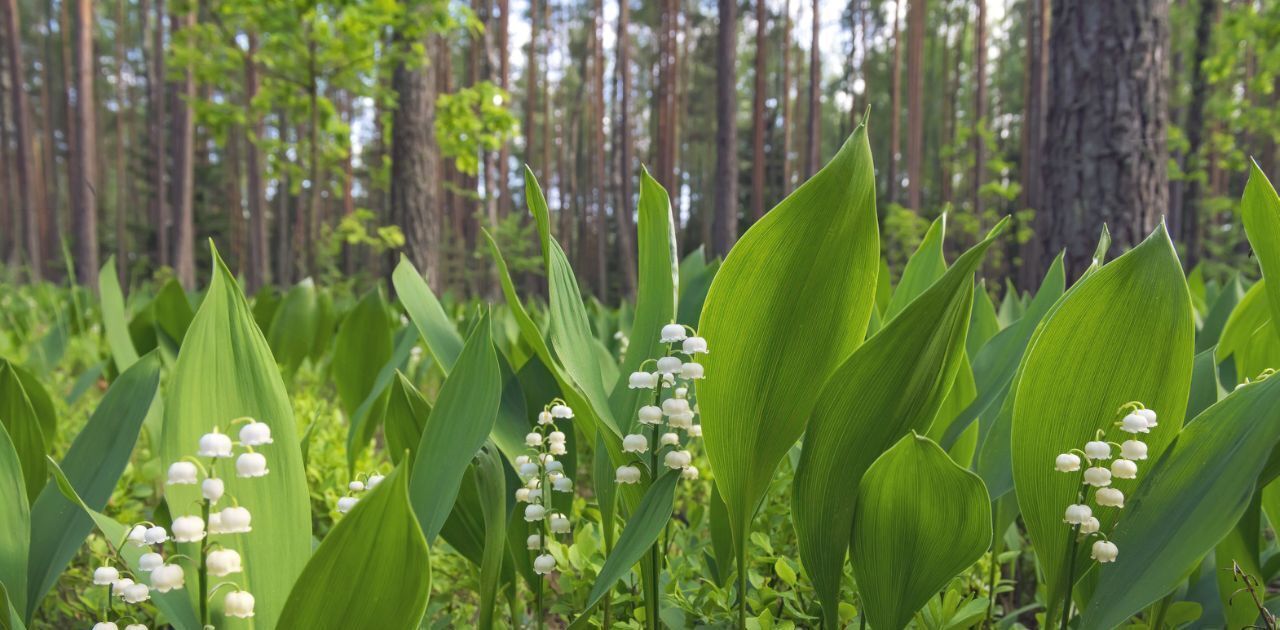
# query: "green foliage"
{"points": [[473, 119]]}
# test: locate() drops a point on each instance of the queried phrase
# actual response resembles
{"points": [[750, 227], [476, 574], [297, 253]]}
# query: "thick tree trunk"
{"points": [[159, 145], [10, 219], [259, 265], [531, 83], [184, 252], [979, 105], [504, 80], [414, 163], [1105, 154], [813, 141], [895, 106], [757, 116], [27, 207], [84, 195], [1035, 107], [626, 226], [1186, 227], [123, 177], [787, 116], [915, 103], [725, 229]]}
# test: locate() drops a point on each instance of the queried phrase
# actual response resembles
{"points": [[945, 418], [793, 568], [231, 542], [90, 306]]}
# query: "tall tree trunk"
{"points": [[915, 103], [259, 265], [598, 149], [84, 194], [531, 82], [310, 229], [725, 229], [787, 161], [623, 211], [10, 212], [47, 192], [813, 142], [1035, 101], [123, 177], [895, 106], [757, 116], [950, 83], [184, 252], [159, 146], [979, 106], [1187, 226], [414, 162], [1105, 154], [285, 202], [504, 80], [27, 207]]}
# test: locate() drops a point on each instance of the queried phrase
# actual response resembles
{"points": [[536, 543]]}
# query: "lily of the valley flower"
{"points": [[155, 535], [150, 561], [1104, 551], [1077, 514], [235, 520], [182, 473], [212, 489], [650, 414], [669, 365], [346, 503], [255, 434], [215, 445], [1097, 476], [689, 473], [188, 529], [694, 345], [635, 443], [678, 459], [1134, 423], [533, 542], [223, 562], [1067, 462], [103, 576], [562, 412], [374, 480], [670, 439], [1133, 449], [1149, 416], [1097, 450], [1110, 497], [356, 486], [560, 524], [167, 577], [136, 593], [672, 333], [642, 380], [534, 512], [238, 604], [545, 418], [1124, 469], [533, 439], [627, 474], [1090, 525], [544, 564], [691, 371]]}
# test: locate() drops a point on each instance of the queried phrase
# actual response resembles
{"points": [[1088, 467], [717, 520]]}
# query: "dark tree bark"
{"points": [[895, 105], [159, 145], [757, 116], [123, 177], [259, 264], [531, 82], [787, 116], [10, 219], [414, 163], [813, 142], [84, 194], [1186, 224], [1035, 108], [915, 103], [27, 208], [626, 226], [725, 229], [979, 105], [184, 252], [504, 80], [1105, 154]]}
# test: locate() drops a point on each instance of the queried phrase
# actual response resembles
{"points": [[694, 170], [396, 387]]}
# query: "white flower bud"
{"points": [[533, 542], [672, 406], [135, 626], [669, 365], [182, 473], [1077, 514], [557, 448], [251, 465], [150, 561], [694, 345], [535, 495], [215, 445], [373, 481], [545, 418], [138, 535], [689, 473], [533, 439], [1097, 450], [669, 439], [235, 520], [356, 486], [677, 459], [212, 489], [635, 443], [1133, 449], [103, 576], [136, 593], [1134, 423], [1124, 469], [691, 371], [105, 625], [627, 474], [560, 524], [188, 529], [1110, 497], [556, 437], [672, 333], [521, 460], [563, 484], [554, 466], [544, 564], [1090, 525], [1097, 476], [534, 513], [238, 604], [695, 431], [1104, 551], [345, 504], [642, 380], [528, 469], [561, 411], [255, 434], [522, 495], [167, 578], [1067, 462], [155, 535], [1149, 416], [650, 414], [682, 420], [223, 562]]}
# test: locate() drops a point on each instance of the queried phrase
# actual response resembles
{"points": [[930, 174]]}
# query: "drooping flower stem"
{"points": [[1072, 544], [542, 529], [655, 553], [204, 569]]}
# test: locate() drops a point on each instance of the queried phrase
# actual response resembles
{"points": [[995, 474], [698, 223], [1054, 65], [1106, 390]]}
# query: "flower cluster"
{"points": [[540, 472], [1098, 476], [674, 375], [354, 489], [164, 574]]}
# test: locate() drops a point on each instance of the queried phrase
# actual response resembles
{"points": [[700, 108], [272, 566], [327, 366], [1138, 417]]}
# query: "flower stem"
{"points": [[742, 583], [204, 569], [1072, 544], [655, 562]]}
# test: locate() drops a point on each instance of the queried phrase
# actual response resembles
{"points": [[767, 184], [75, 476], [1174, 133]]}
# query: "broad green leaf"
{"points": [[924, 268], [921, 519], [225, 370], [176, 605], [296, 325], [892, 385], [113, 317], [372, 570], [1240, 548], [1237, 341], [1260, 211], [362, 348], [491, 488], [20, 421], [1205, 389], [1187, 501], [983, 324], [721, 536], [443, 341], [171, 313], [693, 294], [405, 417], [92, 465], [9, 617], [40, 401], [15, 524], [460, 421], [1211, 331], [365, 419], [1123, 333], [789, 304], [513, 421]]}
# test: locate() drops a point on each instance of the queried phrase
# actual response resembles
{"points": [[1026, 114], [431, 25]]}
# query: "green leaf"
{"points": [[1240, 549], [362, 348], [225, 370], [443, 341], [1249, 316], [113, 317], [1211, 331], [20, 421], [924, 268], [1123, 333], [92, 465], [9, 617], [365, 419], [405, 417], [15, 524], [461, 420], [789, 304], [373, 570], [892, 385], [920, 521], [491, 486], [1260, 211], [1187, 501], [983, 323], [296, 325]]}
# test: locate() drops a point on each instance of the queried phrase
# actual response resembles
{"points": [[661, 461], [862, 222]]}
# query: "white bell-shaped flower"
{"points": [[223, 562], [627, 474], [544, 564], [650, 414], [167, 577], [681, 420], [215, 523], [1133, 449], [1067, 462], [212, 489], [668, 380], [1149, 416], [182, 473], [1090, 525], [238, 604], [556, 437], [545, 418], [677, 459], [533, 542], [672, 406], [1076, 514], [1124, 469], [150, 561], [691, 370], [534, 512], [135, 626], [188, 529], [155, 535], [235, 520], [255, 434], [105, 625], [642, 380], [522, 495], [1110, 497], [103, 576], [635, 443], [554, 466], [672, 333], [562, 412], [138, 535], [1104, 551], [1097, 450], [215, 445], [694, 345], [562, 484], [681, 392], [117, 587], [1097, 476], [251, 465], [695, 431], [345, 504], [669, 365], [355, 485], [1134, 423], [689, 473], [523, 459], [136, 593], [557, 448], [669, 439], [535, 495], [533, 439], [373, 481], [528, 469], [560, 524]]}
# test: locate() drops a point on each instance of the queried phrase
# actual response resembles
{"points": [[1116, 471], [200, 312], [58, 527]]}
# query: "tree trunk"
{"points": [[159, 145], [915, 103], [725, 229], [259, 265], [84, 194], [531, 83], [27, 207], [414, 162], [813, 159], [123, 178], [1186, 227], [626, 226], [787, 116], [184, 253], [1034, 110], [285, 201], [895, 106], [1105, 154], [757, 117], [979, 106], [10, 212], [598, 198]]}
